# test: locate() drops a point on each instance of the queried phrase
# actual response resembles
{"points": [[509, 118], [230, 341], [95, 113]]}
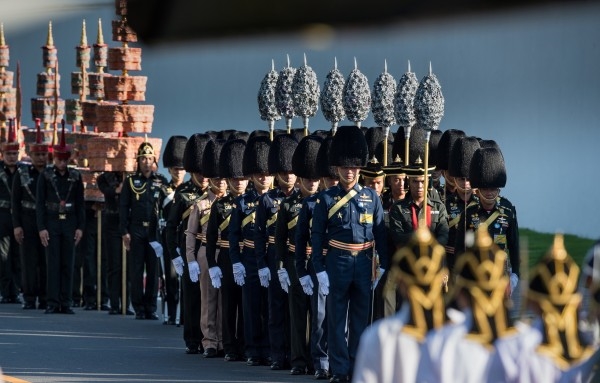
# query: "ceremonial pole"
{"points": [[404, 108], [384, 91], [331, 98]]}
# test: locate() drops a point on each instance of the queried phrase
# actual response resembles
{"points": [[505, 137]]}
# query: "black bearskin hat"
{"points": [[256, 155], [461, 156], [416, 145], [231, 159], [349, 148], [239, 135], [173, 153], [210, 158], [487, 169], [281, 152], [445, 146], [374, 136], [324, 169], [192, 155], [304, 160], [434, 142]]}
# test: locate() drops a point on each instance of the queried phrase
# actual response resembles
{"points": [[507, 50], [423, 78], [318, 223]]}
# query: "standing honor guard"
{"points": [[111, 185], [60, 215], [244, 262], [488, 175], [183, 201], [33, 255], [349, 218], [138, 206], [304, 162], [267, 209], [9, 252], [210, 313], [217, 249], [172, 159]]}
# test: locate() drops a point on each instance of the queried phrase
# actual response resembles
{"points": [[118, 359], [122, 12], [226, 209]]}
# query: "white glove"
{"points": [[514, 281], [194, 269], [157, 247], [284, 279], [215, 276], [380, 272], [265, 276], [323, 282], [239, 273], [307, 284], [178, 265]]}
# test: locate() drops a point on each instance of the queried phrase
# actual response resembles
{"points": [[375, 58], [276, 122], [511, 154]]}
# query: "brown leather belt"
{"points": [[353, 248]]}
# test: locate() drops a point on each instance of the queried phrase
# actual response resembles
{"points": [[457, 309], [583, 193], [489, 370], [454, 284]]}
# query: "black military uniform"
{"points": [[138, 206], [112, 243], [10, 278], [172, 158], [60, 219], [217, 238], [303, 166], [184, 198]]}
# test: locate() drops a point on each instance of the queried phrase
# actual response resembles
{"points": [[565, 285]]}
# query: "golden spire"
{"points": [[83, 42], [2, 41], [50, 40], [100, 38]]}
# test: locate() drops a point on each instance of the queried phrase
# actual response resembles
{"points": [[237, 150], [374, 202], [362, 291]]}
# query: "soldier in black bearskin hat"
{"points": [[138, 210], [349, 218], [268, 206], [304, 266], [60, 219], [463, 196], [228, 167], [183, 201], [172, 160], [210, 315], [242, 229], [304, 167], [488, 175]]}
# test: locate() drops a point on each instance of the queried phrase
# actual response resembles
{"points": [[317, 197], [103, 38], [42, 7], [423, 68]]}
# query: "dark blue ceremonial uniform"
{"points": [[255, 300], [266, 256], [10, 270], [357, 223]]}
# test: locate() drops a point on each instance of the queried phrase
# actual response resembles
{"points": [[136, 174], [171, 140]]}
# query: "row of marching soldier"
{"points": [[261, 267]]}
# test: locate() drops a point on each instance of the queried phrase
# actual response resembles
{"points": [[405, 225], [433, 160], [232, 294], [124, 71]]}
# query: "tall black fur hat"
{"points": [[324, 169], [374, 136], [321, 133], [210, 158], [304, 160], [192, 154], [416, 145], [173, 153], [445, 146], [461, 156], [281, 152], [349, 148], [434, 142], [212, 134], [231, 159], [256, 155], [298, 134], [487, 169], [255, 133], [489, 144]]}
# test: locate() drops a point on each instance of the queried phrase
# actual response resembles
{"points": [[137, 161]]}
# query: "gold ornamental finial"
{"points": [[2, 41], [83, 42], [558, 250], [50, 39], [100, 38]]}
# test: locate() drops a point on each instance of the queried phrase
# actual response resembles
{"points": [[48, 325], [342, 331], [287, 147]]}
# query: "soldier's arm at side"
{"points": [[380, 233], [261, 235], [399, 231], [15, 202], [318, 234], [281, 234], [124, 205], [235, 232], [173, 221], [40, 204], [212, 236], [80, 203], [301, 240], [513, 244], [190, 234], [442, 229]]}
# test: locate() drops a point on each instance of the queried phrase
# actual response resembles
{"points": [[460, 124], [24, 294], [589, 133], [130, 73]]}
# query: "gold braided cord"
{"points": [[138, 191]]}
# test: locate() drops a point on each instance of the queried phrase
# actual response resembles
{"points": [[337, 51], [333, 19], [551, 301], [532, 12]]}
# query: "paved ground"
{"points": [[92, 346]]}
